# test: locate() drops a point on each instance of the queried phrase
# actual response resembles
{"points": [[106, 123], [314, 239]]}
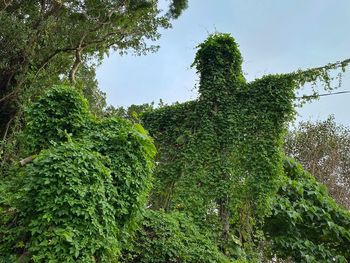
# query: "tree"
{"points": [[44, 42], [220, 157], [80, 197], [323, 148]]}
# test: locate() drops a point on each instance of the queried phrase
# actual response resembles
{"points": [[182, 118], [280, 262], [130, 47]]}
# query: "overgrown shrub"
{"points": [[306, 223], [65, 211], [130, 152], [171, 237], [79, 199], [60, 112]]}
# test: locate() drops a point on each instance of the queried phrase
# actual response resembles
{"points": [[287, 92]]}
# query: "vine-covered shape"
{"points": [[61, 112]]}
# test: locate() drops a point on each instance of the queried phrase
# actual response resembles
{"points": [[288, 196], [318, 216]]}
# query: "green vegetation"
{"points": [[48, 42], [223, 189], [306, 224], [323, 148], [63, 212], [171, 237], [221, 157], [79, 199]]}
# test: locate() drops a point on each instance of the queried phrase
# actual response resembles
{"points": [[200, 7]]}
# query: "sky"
{"points": [[274, 37]]}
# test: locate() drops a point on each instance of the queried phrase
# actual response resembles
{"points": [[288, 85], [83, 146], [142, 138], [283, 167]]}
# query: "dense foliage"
{"points": [[224, 190], [61, 112], [306, 224], [171, 237], [47, 42], [129, 151], [63, 210], [221, 157], [79, 199]]}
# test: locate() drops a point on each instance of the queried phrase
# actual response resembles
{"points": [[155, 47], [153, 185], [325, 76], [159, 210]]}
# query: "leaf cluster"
{"points": [[220, 157], [306, 224], [79, 200], [48, 42], [171, 237]]}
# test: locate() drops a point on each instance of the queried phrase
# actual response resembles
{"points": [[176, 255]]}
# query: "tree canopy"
{"points": [[46, 42], [323, 148]]}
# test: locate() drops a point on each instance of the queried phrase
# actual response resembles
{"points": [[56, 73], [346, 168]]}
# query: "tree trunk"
{"points": [[224, 213], [8, 106]]}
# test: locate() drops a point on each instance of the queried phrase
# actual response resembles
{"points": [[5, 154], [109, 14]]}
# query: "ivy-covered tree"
{"points": [[171, 237], [220, 156], [79, 196], [223, 181], [43, 42]]}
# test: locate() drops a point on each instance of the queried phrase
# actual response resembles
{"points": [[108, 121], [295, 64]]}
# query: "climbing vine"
{"points": [[306, 224], [52, 117], [171, 237], [220, 156], [222, 188], [79, 195]]}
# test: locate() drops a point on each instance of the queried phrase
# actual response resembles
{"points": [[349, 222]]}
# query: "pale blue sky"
{"points": [[275, 36]]}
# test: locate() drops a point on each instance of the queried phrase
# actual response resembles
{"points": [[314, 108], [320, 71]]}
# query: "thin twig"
{"points": [[8, 95], [7, 129], [5, 4]]}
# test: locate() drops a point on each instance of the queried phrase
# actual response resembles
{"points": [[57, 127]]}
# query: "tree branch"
{"points": [[27, 160], [8, 96], [77, 60], [52, 56], [75, 66], [7, 129], [5, 4]]}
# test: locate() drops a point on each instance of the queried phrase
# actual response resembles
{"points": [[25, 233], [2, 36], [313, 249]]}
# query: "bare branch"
{"points": [[5, 4], [7, 129], [77, 60], [8, 96], [75, 66], [27, 160]]}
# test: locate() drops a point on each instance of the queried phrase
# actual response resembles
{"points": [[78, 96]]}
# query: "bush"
{"points": [[60, 111], [171, 237], [130, 152], [64, 211], [80, 198], [306, 224]]}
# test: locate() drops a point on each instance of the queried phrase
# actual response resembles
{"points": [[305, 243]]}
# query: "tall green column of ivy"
{"points": [[220, 157]]}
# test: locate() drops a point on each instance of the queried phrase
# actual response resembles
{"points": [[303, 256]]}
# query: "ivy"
{"points": [[67, 207], [130, 152], [220, 156], [171, 237], [223, 186], [80, 198], [60, 112], [219, 152], [306, 223]]}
